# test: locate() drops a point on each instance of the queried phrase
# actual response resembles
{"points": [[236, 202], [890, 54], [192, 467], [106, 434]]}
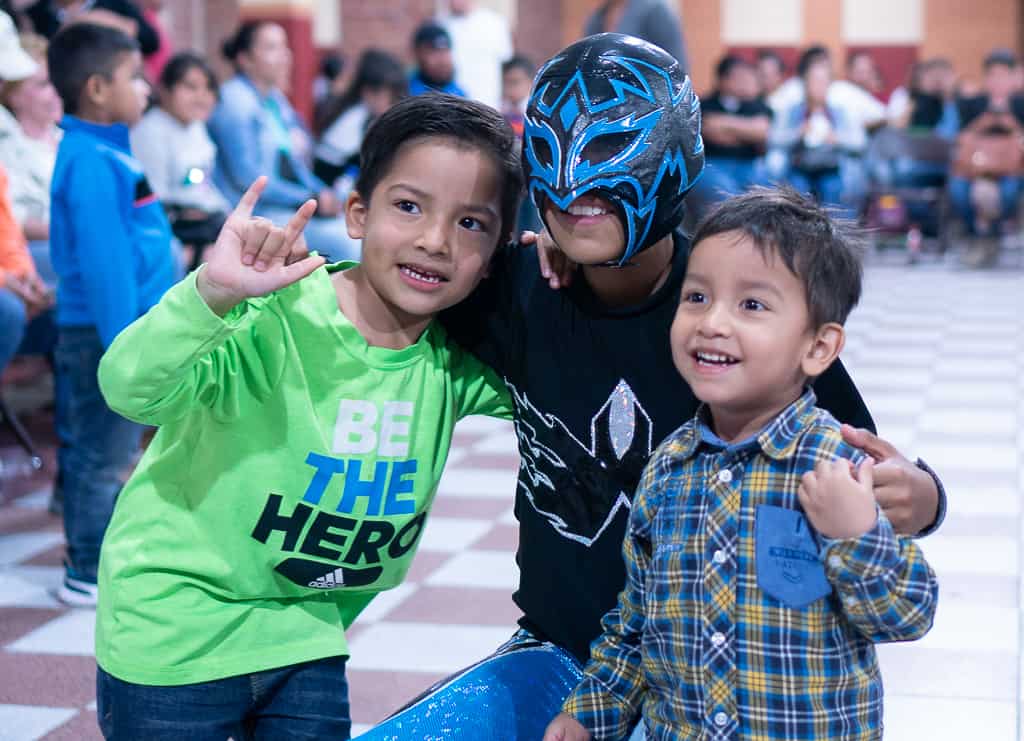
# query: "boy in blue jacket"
{"points": [[111, 248]]}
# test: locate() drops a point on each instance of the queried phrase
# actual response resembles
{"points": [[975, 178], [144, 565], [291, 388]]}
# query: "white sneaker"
{"points": [[77, 592]]}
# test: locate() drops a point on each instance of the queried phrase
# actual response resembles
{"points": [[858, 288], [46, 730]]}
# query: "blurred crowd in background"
{"points": [[937, 160]]}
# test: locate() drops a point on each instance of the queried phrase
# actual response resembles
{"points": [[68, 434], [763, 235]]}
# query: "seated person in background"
{"points": [[257, 132], [28, 135], [818, 140], [771, 73], [736, 124], [178, 155], [928, 103], [379, 83], [27, 324], [435, 68], [989, 168], [760, 572]]}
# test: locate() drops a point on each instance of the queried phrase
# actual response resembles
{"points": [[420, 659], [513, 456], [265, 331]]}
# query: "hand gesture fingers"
{"points": [[250, 198], [257, 231]]}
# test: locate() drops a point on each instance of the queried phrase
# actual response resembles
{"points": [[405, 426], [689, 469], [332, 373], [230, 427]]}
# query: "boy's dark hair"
{"points": [[1000, 58], [811, 56], [727, 64], [518, 61], [80, 51], [435, 116], [181, 64], [824, 253]]}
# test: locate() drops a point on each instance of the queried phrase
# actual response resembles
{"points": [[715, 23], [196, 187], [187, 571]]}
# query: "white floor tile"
{"points": [[29, 586], [484, 483], [971, 422], [969, 457], [385, 602], [908, 669], [970, 627], [945, 719], [73, 633], [959, 394], [973, 500], [483, 425], [23, 546], [452, 534], [419, 647], [487, 569], [29, 722], [968, 554], [977, 369], [497, 444]]}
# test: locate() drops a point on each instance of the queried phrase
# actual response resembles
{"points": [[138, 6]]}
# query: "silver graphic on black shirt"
{"points": [[579, 487]]}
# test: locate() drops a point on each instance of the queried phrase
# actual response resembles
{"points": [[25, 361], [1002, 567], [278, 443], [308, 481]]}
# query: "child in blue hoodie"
{"points": [[111, 249]]}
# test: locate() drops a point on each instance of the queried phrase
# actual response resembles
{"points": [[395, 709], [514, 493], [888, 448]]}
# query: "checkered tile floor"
{"points": [[939, 355]]}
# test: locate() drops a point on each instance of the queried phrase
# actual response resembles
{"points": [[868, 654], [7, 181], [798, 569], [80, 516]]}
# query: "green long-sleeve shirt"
{"points": [[289, 481]]}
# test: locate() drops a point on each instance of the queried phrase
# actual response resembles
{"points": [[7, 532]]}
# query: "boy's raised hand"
{"points": [[250, 257], [837, 504], [566, 728]]}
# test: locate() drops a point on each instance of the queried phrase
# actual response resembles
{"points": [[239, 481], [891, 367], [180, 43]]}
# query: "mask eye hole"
{"points": [[542, 151], [607, 147]]}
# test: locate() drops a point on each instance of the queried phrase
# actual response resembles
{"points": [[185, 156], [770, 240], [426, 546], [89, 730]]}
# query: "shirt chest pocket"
{"points": [[787, 560]]}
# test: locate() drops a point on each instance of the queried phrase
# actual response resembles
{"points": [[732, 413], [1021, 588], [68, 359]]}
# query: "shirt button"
{"points": [[718, 639], [721, 719], [725, 476], [719, 557], [836, 562]]}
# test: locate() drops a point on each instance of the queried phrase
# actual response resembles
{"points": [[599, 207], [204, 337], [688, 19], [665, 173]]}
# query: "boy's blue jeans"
{"points": [[303, 701], [96, 445]]}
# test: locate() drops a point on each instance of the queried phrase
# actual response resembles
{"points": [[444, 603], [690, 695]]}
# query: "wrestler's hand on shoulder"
{"points": [[250, 256], [566, 728], [555, 265]]}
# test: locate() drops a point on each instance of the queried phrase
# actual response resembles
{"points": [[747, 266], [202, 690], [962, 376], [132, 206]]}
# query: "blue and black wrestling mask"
{"points": [[615, 116]]}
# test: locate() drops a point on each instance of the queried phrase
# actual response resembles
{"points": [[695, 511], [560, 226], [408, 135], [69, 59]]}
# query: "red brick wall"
{"points": [[538, 32], [384, 24]]}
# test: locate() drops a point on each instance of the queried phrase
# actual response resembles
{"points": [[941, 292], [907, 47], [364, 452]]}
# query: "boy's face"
{"points": [[742, 337], [515, 85], [430, 227], [123, 97], [437, 64], [590, 231]]}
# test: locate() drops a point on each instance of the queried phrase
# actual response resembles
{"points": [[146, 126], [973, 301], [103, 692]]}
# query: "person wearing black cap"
{"points": [[435, 70]]}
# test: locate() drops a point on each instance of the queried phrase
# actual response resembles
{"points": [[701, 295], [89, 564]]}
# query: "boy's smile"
{"points": [[742, 336]]}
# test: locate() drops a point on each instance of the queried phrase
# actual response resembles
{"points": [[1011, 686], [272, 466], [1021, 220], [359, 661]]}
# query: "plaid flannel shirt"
{"points": [[697, 642]]}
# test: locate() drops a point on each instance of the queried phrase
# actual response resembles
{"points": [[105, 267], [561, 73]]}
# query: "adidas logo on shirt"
{"points": [[332, 580]]}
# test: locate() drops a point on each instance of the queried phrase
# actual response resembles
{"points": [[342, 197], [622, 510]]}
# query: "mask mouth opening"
{"points": [[611, 202]]}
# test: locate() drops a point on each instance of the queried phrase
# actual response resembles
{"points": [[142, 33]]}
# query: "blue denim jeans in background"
{"points": [[1009, 196], [299, 702], [18, 335], [96, 445], [724, 177]]}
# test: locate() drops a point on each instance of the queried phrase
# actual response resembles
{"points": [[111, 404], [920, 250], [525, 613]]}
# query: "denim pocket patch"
{"points": [[788, 565]]}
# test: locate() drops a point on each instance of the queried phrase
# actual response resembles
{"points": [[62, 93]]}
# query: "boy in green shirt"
{"points": [[305, 416]]}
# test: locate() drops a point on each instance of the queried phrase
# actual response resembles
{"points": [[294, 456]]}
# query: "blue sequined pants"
{"points": [[511, 695]]}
